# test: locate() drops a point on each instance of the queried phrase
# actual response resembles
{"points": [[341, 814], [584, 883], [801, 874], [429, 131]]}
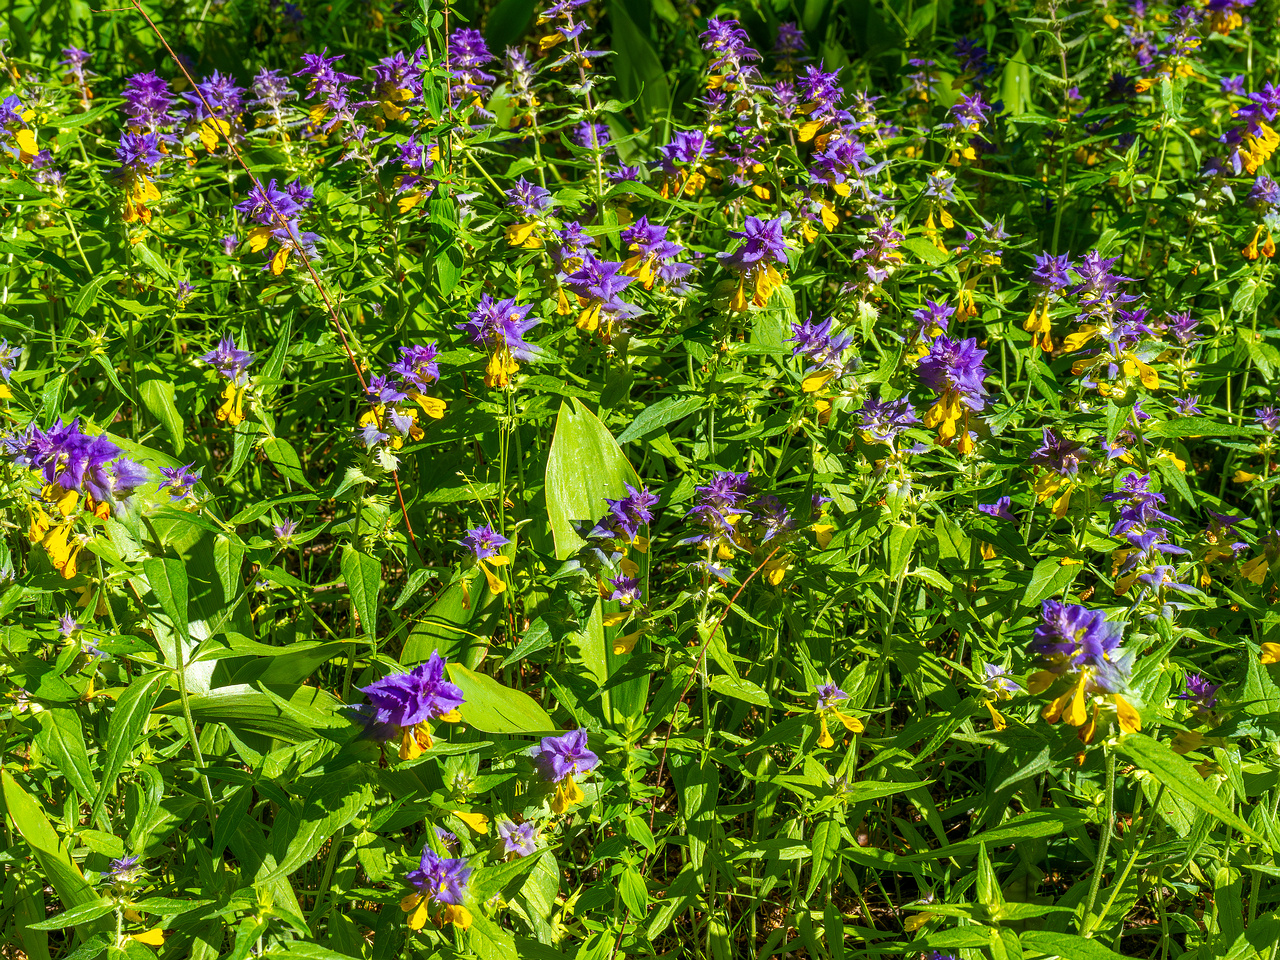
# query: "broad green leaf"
{"points": [[1068, 946], [666, 411], [494, 708], [1180, 778], [61, 737], [76, 915], [168, 580], [584, 467], [363, 575], [55, 863], [157, 394], [128, 719]]}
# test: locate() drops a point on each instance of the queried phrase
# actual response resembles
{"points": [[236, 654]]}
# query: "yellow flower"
{"points": [[231, 410], [1038, 325], [568, 794], [1271, 653]]}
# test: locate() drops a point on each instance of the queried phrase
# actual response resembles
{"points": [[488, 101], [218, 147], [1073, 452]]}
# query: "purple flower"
{"points": [[883, 420], [597, 285], [720, 506], [996, 679], [518, 839], [1063, 457], [407, 699], [565, 756], [217, 96], [819, 344], [147, 102], [468, 54], [829, 695], [269, 205], [763, 241], [440, 879], [790, 44], [1183, 328], [1051, 272], [502, 324], [954, 368], [68, 625], [229, 361], [181, 482], [1070, 635], [139, 152], [416, 368], [529, 199], [1188, 406], [8, 359], [1268, 418], [1202, 694], [1000, 509], [627, 515], [483, 542], [124, 870], [284, 531], [626, 590]]}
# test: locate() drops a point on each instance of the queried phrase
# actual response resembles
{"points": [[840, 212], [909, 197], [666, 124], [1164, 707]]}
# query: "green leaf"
{"points": [[158, 396], [653, 418], [1194, 427], [825, 844], [296, 837], [51, 854], [640, 74], [80, 914], [293, 714], [1068, 946], [168, 581], [281, 453], [494, 708], [584, 467], [739, 689], [363, 575], [1049, 577], [1180, 778], [61, 737]]}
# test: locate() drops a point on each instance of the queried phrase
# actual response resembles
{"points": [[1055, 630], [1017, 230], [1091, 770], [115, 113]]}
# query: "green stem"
{"points": [[1108, 818]]}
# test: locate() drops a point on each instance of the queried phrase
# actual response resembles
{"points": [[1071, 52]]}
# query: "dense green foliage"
{"points": [[635, 496]]}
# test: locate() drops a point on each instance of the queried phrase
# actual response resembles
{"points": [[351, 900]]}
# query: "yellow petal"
{"points": [[613, 619], [457, 914], [628, 567], [478, 822], [1271, 653], [495, 585], [1244, 476], [520, 234], [152, 938], [824, 735], [1186, 741], [26, 140], [823, 532], [410, 902], [852, 724], [418, 918], [1255, 571], [1041, 681], [809, 129], [433, 407], [568, 794], [1074, 341], [1061, 505], [258, 238], [1075, 712], [997, 718], [624, 645], [817, 380], [453, 716], [1130, 722]]}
